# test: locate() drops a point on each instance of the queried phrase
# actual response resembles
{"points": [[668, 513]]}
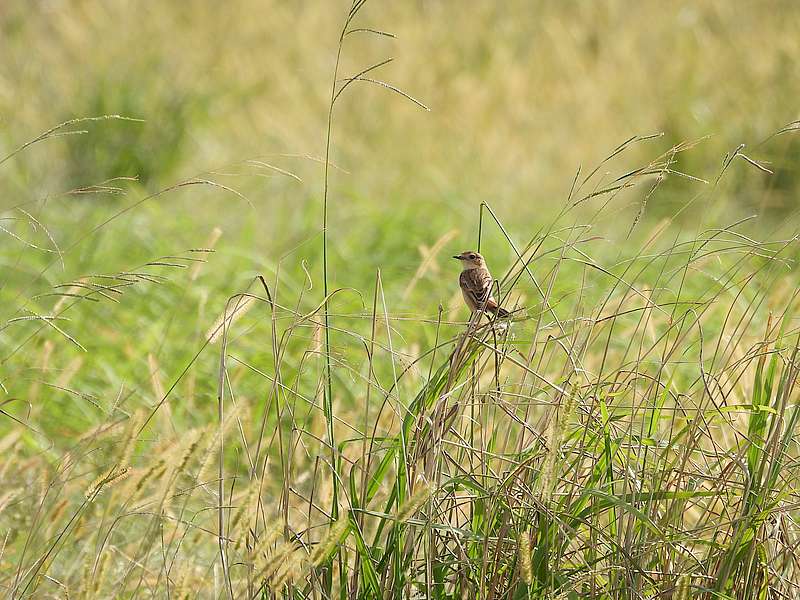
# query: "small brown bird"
{"points": [[476, 284]]}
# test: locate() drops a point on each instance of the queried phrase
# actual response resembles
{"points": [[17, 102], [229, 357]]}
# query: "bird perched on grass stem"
{"points": [[476, 284]]}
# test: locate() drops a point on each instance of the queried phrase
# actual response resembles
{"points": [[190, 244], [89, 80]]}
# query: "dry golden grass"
{"points": [[341, 429]]}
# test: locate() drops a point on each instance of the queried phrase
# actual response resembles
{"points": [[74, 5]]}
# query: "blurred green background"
{"points": [[156, 156], [521, 95]]}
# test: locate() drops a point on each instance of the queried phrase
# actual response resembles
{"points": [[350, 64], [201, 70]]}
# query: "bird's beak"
{"points": [[457, 257]]}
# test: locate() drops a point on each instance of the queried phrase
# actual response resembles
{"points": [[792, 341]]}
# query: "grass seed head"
{"points": [[524, 555], [235, 311], [115, 475]]}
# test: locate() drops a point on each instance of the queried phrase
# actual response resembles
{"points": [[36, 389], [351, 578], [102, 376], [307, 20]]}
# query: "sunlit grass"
{"points": [[196, 403]]}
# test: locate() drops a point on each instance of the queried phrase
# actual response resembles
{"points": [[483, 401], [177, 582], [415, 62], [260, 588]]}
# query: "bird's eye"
{"points": [[473, 256]]}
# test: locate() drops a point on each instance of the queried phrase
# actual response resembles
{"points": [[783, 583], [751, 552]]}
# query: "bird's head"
{"points": [[471, 260]]}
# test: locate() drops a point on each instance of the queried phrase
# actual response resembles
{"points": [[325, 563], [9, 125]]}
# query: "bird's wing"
{"points": [[477, 283]]}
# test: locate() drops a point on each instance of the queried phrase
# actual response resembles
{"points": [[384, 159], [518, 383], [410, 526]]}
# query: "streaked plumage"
{"points": [[476, 284]]}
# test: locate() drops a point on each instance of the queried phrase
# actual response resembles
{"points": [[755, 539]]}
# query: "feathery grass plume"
{"points": [[683, 587], [180, 589], [330, 542], [99, 573], [155, 376], [290, 570], [187, 574], [316, 337], [98, 430], [428, 262], [45, 481], [9, 444], [558, 425], [105, 481], [208, 459], [184, 451], [69, 372], [145, 475], [6, 499], [168, 482], [190, 445], [57, 512], [175, 453], [86, 577], [71, 294], [234, 312], [271, 534], [130, 439], [212, 448], [524, 556], [244, 513], [270, 562], [423, 490], [164, 415], [44, 366], [191, 379], [212, 240]]}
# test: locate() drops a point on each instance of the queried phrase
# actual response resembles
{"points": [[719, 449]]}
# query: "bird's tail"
{"points": [[497, 310], [501, 313]]}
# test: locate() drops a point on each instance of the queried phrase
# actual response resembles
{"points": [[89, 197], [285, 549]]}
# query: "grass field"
{"points": [[234, 359]]}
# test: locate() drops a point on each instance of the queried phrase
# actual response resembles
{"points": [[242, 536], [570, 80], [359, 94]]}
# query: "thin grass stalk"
{"points": [[221, 537], [365, 458], [328, 394], [328, 387]]}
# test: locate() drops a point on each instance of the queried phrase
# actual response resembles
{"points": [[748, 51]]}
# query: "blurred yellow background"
{"points": [[521, 93]]}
